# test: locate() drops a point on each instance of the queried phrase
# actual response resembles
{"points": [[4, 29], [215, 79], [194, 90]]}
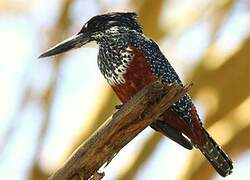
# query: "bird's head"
{"points": [[94, 29]]}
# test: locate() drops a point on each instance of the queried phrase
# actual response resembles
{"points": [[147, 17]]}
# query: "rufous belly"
{"points": [[137, 76]]}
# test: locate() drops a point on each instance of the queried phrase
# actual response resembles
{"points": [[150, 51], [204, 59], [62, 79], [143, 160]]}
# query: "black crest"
{"points": [[106, 21]]}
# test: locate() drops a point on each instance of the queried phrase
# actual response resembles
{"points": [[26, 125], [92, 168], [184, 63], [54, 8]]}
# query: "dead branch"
{"points": [[119, 130]]}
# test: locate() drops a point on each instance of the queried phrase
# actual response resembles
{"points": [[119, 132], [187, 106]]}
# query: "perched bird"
{"points": [[129, 61]]}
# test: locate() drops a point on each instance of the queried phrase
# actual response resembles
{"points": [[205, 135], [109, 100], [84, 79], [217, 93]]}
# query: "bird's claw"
{"points": [[118, 106]]}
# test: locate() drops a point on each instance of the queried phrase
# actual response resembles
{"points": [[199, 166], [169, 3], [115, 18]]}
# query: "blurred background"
{"points": [[49, 106]]}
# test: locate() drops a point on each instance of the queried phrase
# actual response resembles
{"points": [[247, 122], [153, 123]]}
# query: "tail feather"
{"points": [[216, 156]]}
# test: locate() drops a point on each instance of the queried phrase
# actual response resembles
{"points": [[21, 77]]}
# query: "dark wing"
{"points": [[164, 71]]}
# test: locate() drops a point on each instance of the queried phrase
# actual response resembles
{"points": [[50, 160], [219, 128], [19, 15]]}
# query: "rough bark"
{"points": [[119, 130]]}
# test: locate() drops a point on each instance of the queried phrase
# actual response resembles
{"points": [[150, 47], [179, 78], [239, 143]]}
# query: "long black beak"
{"points": [[73, 42]]}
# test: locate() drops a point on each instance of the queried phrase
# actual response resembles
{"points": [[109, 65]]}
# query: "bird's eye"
{"points": [[97, 25]]}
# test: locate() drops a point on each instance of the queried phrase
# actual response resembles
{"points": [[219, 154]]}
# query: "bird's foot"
{"points": [[118, 106]]}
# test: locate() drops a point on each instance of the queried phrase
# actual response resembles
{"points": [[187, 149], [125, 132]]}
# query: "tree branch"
{"points": [[119, 130]]}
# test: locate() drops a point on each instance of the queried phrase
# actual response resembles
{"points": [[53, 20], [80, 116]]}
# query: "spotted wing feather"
{"points": [[161, 67]]}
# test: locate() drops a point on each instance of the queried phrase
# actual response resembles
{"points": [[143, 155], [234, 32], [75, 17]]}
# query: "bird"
{"points": [[129, 61]]}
